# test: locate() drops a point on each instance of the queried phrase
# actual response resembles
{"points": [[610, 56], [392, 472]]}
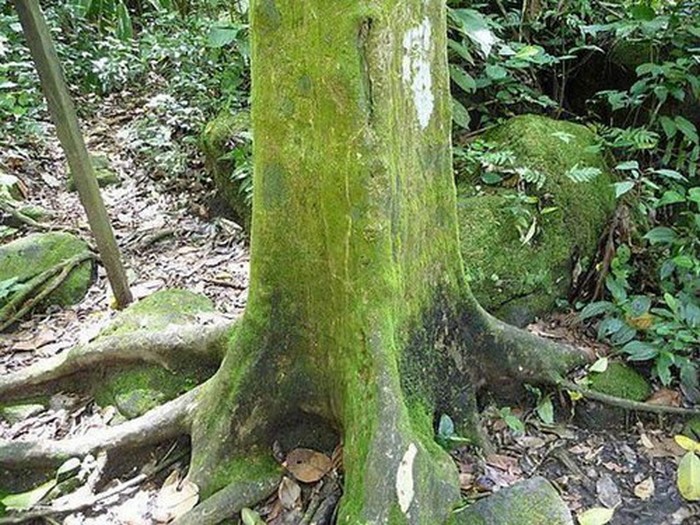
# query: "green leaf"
{"points": [[661, 235], [669, 197], [642, 11], [584, 174], [688, 481], [687, 128], [601, 365], [694, 195], [622, 187], [546, 411], [250, 517], [125, 30], [628, 165], [640, 351], [446, 427], [595, 309], [26, 500], [475, 26], [460, 115], [670, 128], [462, 79], [596, 516], [496, 72], [221, 36]]}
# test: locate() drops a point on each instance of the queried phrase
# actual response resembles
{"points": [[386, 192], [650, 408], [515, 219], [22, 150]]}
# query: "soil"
{"points": [[168, 240]]}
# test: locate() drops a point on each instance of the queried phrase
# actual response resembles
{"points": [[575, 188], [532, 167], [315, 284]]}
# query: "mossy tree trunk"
{"points": [[358, 312]]}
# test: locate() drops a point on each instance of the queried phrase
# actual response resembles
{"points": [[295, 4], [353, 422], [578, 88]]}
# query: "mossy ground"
{"points": [[26, 258], [520, 281], [135, 390], [620, 380]]}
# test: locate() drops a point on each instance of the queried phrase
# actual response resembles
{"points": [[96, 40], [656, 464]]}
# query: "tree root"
{"points": [[627, 403], [508, 353], [56, 509], [165, 347], [230, 500], [23, 301], [164, 422]]}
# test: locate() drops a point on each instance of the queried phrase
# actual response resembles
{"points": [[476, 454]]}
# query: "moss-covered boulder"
{"points": [[24, 260], [226, 144], [519, 281], [104, 173], [136, 390], [10, 188], [620, 380]]}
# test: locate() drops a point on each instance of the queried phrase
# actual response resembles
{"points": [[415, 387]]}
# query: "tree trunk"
{"points": [[359, 313]]}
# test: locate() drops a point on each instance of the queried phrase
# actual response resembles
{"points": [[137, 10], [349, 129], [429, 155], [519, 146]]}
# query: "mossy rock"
{"points": [[105, 175], [620, 380], [10, 188], [516, 281], [228, 131], [533, 501], [136, 390], [160, 310], [25, 259]]}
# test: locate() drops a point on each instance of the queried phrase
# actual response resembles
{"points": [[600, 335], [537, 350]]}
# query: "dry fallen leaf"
{"points": [[176, 497], [306, 465], [645, 489], [466, 481], [289, 493], [501, 462], [665, 397]]}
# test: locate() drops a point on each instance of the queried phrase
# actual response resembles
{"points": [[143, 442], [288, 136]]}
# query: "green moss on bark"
{"points": [[520, 281]]}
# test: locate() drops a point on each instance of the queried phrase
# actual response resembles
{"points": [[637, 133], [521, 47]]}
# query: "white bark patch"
{"points": [[416, 70], [404, 479]]}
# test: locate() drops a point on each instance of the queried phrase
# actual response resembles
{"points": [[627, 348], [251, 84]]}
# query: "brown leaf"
{"points": [[505, 463], [306, 465], [645, 489], [176, 497], [466, 481], [44, 337], [665, 397]]}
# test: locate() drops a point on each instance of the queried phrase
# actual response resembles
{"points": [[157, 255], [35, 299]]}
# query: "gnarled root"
{"points": [[164, 422], [231, 500], [165, 347], [506, 353]]}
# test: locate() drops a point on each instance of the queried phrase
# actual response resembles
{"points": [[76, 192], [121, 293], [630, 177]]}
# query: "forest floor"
{"points": [[168, 241]]}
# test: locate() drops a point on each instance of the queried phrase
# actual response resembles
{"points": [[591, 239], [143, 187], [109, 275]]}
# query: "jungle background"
{"points": [[576, 155]]}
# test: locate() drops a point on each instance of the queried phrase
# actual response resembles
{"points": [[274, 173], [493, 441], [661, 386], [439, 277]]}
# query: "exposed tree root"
{"points": [[165, 347], [230, 500], [627, 403], [56, 508], [164, 422], [40, 288], [20, 217], [508, 354]]}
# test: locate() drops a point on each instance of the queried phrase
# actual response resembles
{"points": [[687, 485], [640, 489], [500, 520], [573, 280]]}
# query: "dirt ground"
{"points": [[169, 241]]}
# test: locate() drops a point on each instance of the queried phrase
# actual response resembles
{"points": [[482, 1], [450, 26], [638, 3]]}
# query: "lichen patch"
{"points": [[404, 479], [416, 72]]}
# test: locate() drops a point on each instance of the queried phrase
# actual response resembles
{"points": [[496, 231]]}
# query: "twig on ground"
{"points": [[627, 403]]}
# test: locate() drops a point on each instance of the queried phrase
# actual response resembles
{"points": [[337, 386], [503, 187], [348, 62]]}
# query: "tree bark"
{"points": [[68, 129], [359, 312]]}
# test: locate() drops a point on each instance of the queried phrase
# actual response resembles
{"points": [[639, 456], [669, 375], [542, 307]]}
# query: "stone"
{"points": [[105, 175], [27, 258], [519, 282], [16, 413]]}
